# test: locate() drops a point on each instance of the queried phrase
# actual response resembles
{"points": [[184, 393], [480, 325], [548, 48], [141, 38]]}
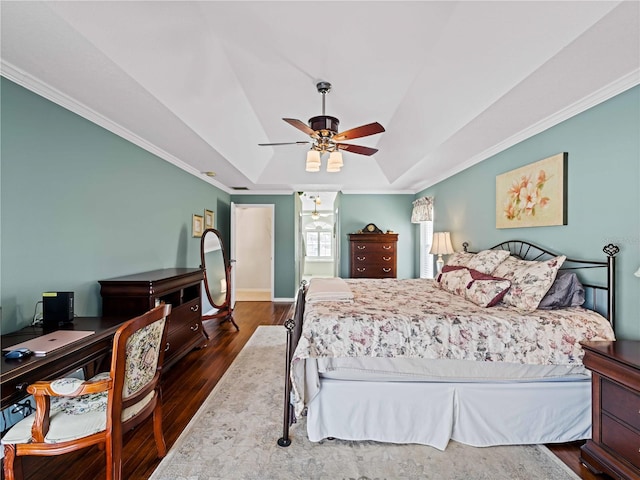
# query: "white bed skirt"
{"points": [[477, 414]]}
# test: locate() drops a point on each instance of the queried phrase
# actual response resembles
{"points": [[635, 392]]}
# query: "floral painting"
{"points": [[533, 195]]}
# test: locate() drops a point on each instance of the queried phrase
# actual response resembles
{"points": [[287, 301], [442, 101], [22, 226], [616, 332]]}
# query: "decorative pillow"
{"points": [[486, 290], [565, 291], [454, 279], [459, 259], [477, 287], [486, 261], [530, 280]]}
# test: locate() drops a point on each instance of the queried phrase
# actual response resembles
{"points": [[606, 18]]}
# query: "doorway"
{"points": [[252, 252], [318, 235]]}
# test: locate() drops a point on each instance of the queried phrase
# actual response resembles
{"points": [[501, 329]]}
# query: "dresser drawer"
{"points": [[621, 403], [374, 258], [358, 248], [620, 439], [373, 271]]}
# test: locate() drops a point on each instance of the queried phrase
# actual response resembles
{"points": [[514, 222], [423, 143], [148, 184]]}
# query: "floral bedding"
{"points": [[414, 318]]}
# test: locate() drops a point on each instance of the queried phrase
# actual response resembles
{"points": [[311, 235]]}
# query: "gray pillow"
{"points": [[566, 291]]}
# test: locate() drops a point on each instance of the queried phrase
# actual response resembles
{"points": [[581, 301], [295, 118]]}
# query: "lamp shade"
{"points": [[441, 244], [313, 161], [334, 164]]}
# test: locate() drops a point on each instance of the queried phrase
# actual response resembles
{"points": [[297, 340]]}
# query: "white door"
{"points": [[252, 237], [232, 253]]}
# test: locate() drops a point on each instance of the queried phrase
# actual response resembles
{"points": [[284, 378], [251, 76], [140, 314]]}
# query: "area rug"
{"points": [[233, 436]]}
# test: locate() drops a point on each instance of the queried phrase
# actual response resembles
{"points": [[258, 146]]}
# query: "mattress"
{"points": [[426, 370]]}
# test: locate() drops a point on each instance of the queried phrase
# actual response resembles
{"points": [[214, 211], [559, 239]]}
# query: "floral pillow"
{"points": [[530, 280], [477, 287], [486, 261], [459, 259], [454, 279], [486, 290]]}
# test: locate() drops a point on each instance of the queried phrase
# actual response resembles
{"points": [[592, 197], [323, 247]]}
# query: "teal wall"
{"points": [[285, 234], [603, 144], [387, 212], [80, 204]]}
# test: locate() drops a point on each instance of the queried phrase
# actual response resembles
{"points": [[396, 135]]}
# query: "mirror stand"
{"points": [[217, 276]]}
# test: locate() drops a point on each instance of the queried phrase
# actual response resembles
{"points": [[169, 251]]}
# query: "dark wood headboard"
{"points": [[600, 296]]}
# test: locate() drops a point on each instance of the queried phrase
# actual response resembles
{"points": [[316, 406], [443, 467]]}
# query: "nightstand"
{"points": [[614, 447]]}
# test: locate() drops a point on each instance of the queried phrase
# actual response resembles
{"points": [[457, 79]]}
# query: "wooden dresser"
{"points": [[373, 255], [133, 295], [615, 445]]}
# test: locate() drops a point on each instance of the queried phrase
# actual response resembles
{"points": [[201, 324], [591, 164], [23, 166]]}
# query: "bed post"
{"points": [[294, 331], [285, 441], [611, 250]]}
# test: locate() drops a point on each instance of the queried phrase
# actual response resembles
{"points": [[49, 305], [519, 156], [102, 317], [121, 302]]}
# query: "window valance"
{"points": [[422, 210]]}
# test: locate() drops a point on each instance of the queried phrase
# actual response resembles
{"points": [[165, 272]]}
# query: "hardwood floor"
{"points": [[185, 387]]}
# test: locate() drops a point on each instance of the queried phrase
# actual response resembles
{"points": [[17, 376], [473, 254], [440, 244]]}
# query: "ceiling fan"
{"points": [[315, 214], [323, 129]]}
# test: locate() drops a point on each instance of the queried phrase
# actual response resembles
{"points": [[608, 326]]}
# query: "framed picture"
{"points": [[208, 219], [197, 224], [534, 195]]}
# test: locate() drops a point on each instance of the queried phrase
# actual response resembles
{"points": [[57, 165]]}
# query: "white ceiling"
{"points": [[200, 84]]}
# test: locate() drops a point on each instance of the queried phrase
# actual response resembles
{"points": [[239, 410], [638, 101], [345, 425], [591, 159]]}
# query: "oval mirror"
{"points": [[217, 276]]}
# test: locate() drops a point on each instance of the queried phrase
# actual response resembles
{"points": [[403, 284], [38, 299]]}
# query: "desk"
{"points": [[90, 353]]}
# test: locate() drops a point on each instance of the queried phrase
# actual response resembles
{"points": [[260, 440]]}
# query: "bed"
{"points": [[465, 357]]}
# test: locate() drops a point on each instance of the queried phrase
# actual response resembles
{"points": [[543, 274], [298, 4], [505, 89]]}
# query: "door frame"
{"points": [[233, 248]]}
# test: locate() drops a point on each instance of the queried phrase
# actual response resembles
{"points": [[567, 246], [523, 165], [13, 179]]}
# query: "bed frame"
{"points": [[598, 297]]}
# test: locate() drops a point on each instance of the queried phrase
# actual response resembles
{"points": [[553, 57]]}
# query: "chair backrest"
{"points": [[136, 361]]}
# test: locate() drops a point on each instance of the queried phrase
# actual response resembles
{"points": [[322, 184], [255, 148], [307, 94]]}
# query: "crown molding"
{"points": [[37, 86], [609, 91]]}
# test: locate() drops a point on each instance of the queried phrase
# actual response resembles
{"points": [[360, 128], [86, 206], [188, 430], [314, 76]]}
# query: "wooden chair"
{"points": [[72, 414]]}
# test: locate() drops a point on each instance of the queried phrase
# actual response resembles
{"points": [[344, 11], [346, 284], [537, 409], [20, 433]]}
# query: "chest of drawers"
{"points": [[615, 444], [373, 255], [133, 295]]}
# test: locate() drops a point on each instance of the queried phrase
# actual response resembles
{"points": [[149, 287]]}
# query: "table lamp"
{"points": [[441, 245]]}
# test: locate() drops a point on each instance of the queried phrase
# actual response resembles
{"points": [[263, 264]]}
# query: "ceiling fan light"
{"points": [[333, 168], [313, 161], [335, 158], [313, 157]]}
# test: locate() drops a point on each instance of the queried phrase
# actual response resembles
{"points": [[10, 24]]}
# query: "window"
{"points": [[426, 259], [319, 244]]}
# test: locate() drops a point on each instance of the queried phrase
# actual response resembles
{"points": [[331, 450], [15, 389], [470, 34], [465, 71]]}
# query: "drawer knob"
{"points": [[386, 259], [166, 348], [361, 258], [195, 308], [362, 269], [21, 387], [361, 247], [386, 270], [194, 328], [387, 247]]}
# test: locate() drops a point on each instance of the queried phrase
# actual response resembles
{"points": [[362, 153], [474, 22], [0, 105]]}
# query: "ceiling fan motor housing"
{"points": [[325, 125]]}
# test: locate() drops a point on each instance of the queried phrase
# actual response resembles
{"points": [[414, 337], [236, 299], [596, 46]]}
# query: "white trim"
{"points": [[284, 300], [37, 86], [607, 92]]}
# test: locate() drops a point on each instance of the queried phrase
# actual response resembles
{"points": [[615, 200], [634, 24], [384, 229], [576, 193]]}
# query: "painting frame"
{"points": [[197, 222], [534, 195], [209, 217]]}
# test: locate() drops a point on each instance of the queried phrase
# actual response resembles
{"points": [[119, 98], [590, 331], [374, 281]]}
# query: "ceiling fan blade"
{"points": [[300, 125], [281, 143], [356, 149], [361, 131]]}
